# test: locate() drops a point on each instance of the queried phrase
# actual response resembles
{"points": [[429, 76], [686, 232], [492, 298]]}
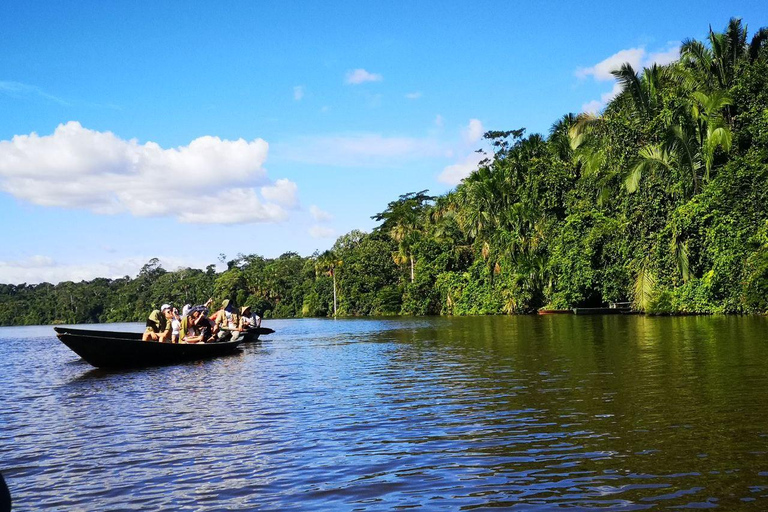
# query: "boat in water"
{"points": [[253, 334], [113, 349]]}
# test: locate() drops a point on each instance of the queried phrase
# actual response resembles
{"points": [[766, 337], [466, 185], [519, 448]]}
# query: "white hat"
{"points": [[164, 307]]}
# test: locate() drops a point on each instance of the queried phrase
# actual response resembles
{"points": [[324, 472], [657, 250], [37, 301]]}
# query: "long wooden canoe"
{"points": [[111, 349]]}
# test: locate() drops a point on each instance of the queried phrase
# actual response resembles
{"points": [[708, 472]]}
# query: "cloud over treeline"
{"points": [[210, 180]]}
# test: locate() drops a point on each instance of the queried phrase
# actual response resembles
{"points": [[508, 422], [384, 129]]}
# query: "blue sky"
{"points": [[183, 130]]}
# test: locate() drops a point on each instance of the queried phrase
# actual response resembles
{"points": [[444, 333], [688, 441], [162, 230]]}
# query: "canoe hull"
{"points": [[106, 349], [250, 336]]}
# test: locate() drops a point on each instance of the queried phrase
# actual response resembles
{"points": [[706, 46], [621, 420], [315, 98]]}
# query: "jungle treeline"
{"points": [[661, 200]]}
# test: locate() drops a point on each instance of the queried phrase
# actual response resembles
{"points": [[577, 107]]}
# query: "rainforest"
{"points": [[661, 200]]}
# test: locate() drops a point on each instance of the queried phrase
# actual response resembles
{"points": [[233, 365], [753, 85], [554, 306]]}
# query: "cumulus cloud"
{"points": [[453, 174], [360, 76], [44, 269], [474, 131], [638, 58], [298, 92], [664, 57], [201, 182], [283, 192], [602, 70], [595, 106], [318, 231], [320, 215]]}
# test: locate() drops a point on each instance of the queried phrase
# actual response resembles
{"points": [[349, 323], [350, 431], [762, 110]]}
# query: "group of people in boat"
{"points": [[194, 325]]}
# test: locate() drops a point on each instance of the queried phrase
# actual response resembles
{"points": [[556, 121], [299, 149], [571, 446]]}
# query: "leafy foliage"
{"points": [[659, 200]]}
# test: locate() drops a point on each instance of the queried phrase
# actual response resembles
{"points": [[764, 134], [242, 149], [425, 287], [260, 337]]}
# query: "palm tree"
{"points": [[327, 263], [404, 221], [559, 139], [759, 41], [644, 90], [690, 146], [714, 67], [588, 140]]}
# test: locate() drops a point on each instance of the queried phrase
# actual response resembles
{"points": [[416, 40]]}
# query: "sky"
{"points": [[184, 131]]}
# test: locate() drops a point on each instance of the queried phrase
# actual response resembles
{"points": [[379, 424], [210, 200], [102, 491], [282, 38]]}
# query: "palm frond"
{"points": [[645, 287], [631, 83]]}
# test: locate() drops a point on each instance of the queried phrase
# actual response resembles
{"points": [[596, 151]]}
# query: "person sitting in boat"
{"points": [[175, 326], [249, 320], [227, 318], [187, 307], [196, 327], [159, 326]]}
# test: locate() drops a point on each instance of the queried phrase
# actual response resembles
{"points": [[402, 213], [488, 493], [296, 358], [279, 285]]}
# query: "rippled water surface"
{"points": [[521, 413]]}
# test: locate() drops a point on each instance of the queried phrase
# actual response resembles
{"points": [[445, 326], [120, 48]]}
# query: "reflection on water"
{"points": [[528, 413]]}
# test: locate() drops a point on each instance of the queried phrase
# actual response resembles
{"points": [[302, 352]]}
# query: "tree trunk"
{"points": [[411, 267], [334, 294]]}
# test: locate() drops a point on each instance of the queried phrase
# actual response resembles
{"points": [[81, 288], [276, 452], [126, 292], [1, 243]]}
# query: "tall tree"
{"points": [[328, 262], [403, 220]]}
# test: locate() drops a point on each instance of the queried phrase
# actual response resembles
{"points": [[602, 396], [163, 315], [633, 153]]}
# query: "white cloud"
{"points": [[359, 76], [595, 106], [474, 131], [664, 57], [638, 58], [359, 150], [453, 174], [283, 192], [413, 95], [318, 231], [298, 92], [439, 121], [233, 206], [320, 215], [602, 70], [80, 168], [44, 269]]}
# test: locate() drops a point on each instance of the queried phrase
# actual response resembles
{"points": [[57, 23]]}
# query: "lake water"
{"points": [[522, 413]]}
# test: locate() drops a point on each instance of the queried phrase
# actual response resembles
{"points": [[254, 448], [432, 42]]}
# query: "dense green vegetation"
{"points": [[661, 200]]}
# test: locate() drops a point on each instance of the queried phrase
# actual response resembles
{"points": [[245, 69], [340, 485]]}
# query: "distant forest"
{"points": [[662, 200]]}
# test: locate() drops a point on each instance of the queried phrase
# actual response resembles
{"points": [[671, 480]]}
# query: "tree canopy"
{"points": [[659, 200]]}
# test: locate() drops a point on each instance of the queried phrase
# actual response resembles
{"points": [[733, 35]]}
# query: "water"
{"points": [[521, 413]]}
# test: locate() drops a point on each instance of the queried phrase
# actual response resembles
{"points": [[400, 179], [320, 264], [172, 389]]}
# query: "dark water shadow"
{"points": [[108, 373]]}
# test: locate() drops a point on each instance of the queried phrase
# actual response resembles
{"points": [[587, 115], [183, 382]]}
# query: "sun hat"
{"points": [[165, 306]]}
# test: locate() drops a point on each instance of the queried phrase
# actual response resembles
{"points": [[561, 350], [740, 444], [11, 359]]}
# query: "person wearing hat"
{"points": [[159, 326], [196, 327], [248, 320], [227, 318]]}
